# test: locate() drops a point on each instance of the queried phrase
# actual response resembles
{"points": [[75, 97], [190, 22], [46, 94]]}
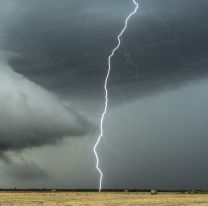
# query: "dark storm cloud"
{"points": [[64, 45], [30, 116], [25, 171]]}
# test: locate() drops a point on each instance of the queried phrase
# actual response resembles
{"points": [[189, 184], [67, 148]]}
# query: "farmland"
{"points": [[100, 199]]}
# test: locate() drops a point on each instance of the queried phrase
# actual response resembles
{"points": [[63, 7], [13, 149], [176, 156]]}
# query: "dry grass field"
{"points": [[100, 199]]}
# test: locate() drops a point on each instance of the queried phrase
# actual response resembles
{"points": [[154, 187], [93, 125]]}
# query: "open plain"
{"points": [[100, 199]]}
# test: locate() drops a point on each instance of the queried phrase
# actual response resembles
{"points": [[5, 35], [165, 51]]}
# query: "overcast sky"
{"points": [[53, 62]]}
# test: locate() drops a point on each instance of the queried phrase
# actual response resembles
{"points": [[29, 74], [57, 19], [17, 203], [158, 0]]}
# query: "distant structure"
{"points": [[191, 192], [153, 192], [126, 191]]}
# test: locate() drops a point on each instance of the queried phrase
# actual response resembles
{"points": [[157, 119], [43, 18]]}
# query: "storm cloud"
{"points": [[25, 171], [63, 47], [52, 70], [31, 116]]}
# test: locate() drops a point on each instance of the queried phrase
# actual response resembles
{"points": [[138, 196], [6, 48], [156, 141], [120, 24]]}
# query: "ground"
{"points": [[100, 199]]}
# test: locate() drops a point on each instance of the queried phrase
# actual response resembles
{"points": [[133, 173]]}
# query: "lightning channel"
{"points": [[106, 90]]}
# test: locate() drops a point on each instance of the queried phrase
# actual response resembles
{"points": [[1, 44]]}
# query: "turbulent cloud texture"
{"points": [[31, 116], [63, 45], [55, 51]]}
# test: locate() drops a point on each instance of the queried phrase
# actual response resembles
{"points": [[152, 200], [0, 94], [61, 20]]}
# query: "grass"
{"points": [[101, 199]]}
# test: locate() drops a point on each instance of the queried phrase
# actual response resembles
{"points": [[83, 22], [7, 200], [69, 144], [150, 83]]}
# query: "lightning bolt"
{"points": [[106, 90]]}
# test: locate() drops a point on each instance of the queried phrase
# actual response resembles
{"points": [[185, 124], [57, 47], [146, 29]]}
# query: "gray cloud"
{"points": [[165, 40], [62, 47], [25, 171], [31, 116]]}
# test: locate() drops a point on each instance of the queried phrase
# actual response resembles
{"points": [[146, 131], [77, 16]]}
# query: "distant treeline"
{"points": [[104, 190]]}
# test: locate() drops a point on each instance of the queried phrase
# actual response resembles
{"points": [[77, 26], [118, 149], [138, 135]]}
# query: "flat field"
{"points": [[100, 199]]}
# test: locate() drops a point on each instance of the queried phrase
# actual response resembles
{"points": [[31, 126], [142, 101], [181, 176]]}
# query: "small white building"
{"points": [[153, 192]]}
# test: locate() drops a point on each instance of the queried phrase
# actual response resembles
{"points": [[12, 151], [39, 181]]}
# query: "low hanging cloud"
{"points": [[25, 171], [31, 116]]}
